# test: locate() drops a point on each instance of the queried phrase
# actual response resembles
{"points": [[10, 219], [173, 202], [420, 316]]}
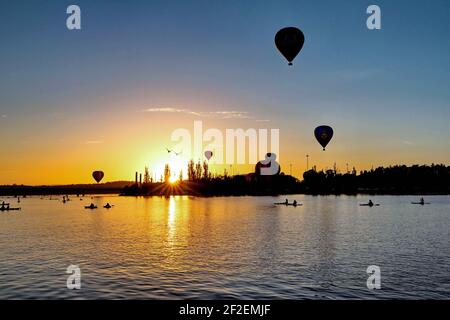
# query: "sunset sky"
{"points": [[109, 96]]}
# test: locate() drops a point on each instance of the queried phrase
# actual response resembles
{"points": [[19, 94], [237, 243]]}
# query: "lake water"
{"points": [[226, 247]]}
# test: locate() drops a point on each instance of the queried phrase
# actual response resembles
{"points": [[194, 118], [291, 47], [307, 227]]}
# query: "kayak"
{"points": [[108, 207], [9, 209], [89, 207], [422, 203], [289, 204], [369, 205]]}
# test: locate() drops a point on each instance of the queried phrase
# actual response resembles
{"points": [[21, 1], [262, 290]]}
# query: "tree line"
{"points": [[398, 179]]}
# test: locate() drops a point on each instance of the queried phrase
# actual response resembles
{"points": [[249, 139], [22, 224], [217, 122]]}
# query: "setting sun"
{"points": [[173, 179], [177, 165]]}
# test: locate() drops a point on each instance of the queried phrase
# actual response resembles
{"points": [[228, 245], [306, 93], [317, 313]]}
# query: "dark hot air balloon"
{"points": [[208, 154], [323, 135], [98, 175], [289, 42]]}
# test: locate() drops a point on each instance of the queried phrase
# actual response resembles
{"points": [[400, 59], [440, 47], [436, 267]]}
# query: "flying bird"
{"points": [[168, 150]]}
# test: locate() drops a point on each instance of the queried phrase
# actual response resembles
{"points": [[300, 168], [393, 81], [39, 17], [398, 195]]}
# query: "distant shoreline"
{"points": [[21, 190], [395, 180]]}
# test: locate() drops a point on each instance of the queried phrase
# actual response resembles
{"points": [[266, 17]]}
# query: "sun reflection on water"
{"points": [[171, 221]]}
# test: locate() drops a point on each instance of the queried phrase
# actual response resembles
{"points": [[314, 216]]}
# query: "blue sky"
{"points": [[376, 88]]}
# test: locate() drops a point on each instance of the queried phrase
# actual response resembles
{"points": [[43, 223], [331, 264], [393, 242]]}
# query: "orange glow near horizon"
{"points": [[125, 143]]}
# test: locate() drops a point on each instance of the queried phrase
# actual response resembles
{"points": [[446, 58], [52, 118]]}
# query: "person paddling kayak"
{"points": [[369, 204], [421, 202]]}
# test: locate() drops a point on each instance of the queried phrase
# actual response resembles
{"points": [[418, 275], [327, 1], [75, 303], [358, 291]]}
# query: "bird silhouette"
{"points": [[168, 150]]}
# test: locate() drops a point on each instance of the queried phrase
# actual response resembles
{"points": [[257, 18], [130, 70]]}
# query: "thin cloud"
{"points": [[93, 142], [3, 115], [407, 142], [225, 114], [164, 110], [172, 110], [230, 114], [262, 120]]}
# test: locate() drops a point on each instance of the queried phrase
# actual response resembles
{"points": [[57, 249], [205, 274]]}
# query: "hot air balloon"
{"points": [[98, 175], [289, 42], [268, 166], [208, 154], [323, 135]]}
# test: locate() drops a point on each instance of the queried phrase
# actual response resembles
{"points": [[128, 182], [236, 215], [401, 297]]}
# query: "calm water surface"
{"points": [[226, 247]]}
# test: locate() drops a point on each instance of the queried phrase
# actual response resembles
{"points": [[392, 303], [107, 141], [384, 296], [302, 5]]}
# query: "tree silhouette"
{"points": [[191, 170], [146, 176], [198, 171], [206, 173], [166, 173]]}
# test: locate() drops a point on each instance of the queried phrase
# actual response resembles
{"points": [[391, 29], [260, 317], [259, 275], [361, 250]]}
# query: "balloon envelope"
{"points": [[323, 135], [98, 175], [289, 42], [208, 154]]}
